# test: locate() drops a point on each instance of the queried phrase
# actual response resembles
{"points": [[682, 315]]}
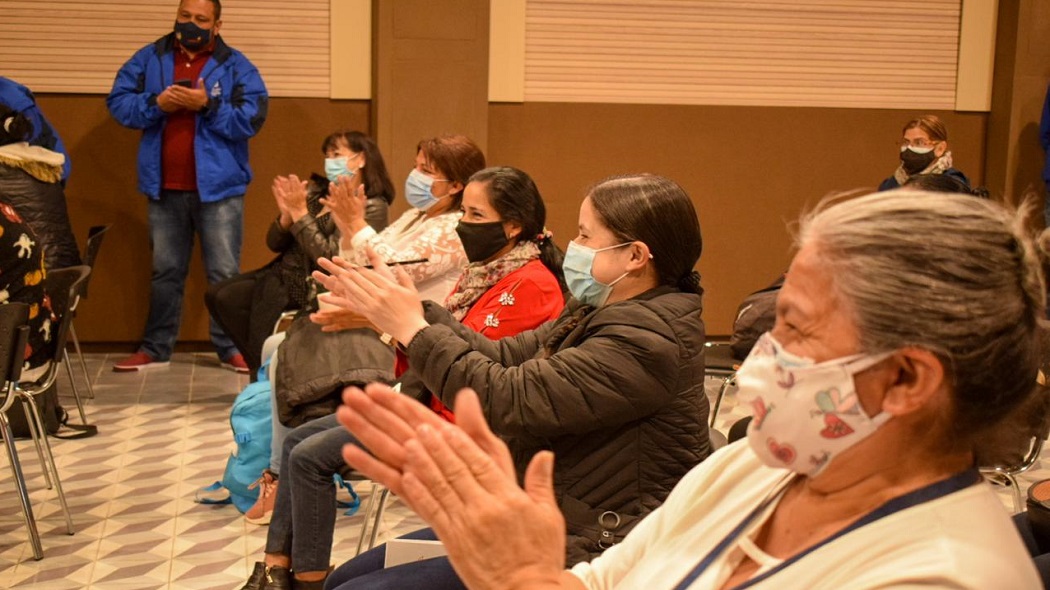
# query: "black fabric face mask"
{"points": [[914, 162], [481, 241], [191, 36]]}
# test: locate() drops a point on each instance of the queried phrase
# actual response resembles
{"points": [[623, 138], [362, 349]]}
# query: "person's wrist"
{"points": [[405, 335], [357, 225], [298, 213]]}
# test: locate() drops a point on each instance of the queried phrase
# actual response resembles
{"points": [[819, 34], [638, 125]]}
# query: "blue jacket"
{"points": [[18, 98], [235, 112], [1044, 136]]}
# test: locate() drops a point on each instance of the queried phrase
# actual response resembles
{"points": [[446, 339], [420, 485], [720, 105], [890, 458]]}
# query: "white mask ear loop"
{"points": [[7, 123]]}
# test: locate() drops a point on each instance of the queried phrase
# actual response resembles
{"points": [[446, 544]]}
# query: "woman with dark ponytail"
{"points": [[614, 385]]}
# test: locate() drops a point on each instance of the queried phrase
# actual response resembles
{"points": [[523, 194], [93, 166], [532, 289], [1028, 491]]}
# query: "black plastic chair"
{"points": [[91, 248], [62, 286], [14, 332]]}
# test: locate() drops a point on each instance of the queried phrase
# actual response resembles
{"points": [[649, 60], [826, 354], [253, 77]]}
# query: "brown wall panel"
{"points": [[102, 189], [750, 170]]}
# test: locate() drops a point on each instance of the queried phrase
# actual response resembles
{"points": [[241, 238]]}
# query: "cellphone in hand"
{"points": [[184, 83]]}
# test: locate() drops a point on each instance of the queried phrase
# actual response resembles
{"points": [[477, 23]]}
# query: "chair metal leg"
{"points": [[50, 460], [83, 363], [379, 517], [726, 382], [20, 485], [73, 386], [368, 517], [35, 435]]}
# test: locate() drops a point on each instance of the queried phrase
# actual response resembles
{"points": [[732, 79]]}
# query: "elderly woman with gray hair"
{"points": [[907, 325]]}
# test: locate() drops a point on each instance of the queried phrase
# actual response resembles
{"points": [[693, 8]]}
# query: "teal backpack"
{"points": [[251, 422], [252, 425]]}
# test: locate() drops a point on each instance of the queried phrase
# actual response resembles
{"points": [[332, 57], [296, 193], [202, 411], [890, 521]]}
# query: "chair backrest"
{"points": [[14, 332], [63, 286], [94, 243]]}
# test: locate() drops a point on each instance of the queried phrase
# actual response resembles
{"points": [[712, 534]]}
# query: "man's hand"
{"points": [[193, 99], [166, 101]]}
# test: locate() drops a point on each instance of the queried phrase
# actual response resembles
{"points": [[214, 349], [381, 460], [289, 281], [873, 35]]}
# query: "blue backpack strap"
{"points": [[213, 494], [355, 501]]}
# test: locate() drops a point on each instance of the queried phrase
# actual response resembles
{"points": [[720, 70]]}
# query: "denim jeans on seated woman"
{"points": [[366, 571], [304, 512]]}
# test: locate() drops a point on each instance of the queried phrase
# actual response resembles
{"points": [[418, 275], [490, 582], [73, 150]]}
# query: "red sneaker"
{"points": [[236, 363], [138, 362]]}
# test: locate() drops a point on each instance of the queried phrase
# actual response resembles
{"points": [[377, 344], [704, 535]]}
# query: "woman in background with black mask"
{"points": [[923, 150]]}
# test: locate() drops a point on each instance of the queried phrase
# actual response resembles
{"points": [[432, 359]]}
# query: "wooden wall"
{"points": [[749, 169]]}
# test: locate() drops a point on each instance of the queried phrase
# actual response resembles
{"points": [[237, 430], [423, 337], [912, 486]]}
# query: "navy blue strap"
{"points": [[922, 495]]}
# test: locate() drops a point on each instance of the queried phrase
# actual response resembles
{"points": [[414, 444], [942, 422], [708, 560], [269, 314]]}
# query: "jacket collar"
{"points": [[166, 44]]}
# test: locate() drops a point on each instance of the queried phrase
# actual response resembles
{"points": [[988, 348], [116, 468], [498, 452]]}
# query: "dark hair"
{"points": [[931, 124], [216, 4], [456, 157], [514, 195], [377, 180], [656, 211], [14, 126], [944, 183]]}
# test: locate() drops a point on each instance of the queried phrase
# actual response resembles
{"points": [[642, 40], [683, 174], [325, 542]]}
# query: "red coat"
{"points": [[523, 300]]}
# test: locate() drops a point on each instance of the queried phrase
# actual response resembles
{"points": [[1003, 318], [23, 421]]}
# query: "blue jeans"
{"points": [[366, 571], [173, 221], [304, 511]]}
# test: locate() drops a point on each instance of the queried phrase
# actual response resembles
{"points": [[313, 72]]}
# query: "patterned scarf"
{"points": [[937, 167], [477, 278]]}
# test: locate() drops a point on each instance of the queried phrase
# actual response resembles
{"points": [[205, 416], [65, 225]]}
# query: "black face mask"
{"points": [[191, 36], [914, 162], [481, 241]]}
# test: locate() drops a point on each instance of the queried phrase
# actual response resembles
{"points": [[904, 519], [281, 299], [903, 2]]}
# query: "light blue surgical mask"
{"points": [[418, 190], [336, 167], [577, 268]]}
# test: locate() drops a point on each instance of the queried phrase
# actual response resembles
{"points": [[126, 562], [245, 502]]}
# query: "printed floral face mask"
{"points": [[805, 413]]}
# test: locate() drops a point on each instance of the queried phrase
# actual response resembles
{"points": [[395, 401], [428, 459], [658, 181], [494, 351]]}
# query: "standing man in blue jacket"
{"points": [[197, 101]]}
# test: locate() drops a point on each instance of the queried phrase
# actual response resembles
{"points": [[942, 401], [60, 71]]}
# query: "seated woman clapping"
{"points": [[511, 284], [614, 385], [906, 327]]}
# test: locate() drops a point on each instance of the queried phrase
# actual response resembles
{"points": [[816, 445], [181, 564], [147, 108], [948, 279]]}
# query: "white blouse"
{"points": [[412, 237]]}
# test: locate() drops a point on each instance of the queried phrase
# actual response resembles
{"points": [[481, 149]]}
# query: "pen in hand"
{"points": [[401, 262]]}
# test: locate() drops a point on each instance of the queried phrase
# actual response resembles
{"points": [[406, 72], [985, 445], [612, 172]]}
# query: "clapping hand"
{"points": [[290, 194], [460, 479], [385, 297], [346, 200]]}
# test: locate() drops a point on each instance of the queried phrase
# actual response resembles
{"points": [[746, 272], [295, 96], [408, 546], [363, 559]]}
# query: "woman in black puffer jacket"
{"points": [[614, 386]]}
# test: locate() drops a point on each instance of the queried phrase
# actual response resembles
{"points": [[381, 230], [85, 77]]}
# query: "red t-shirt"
{"points": [[178, 163]]}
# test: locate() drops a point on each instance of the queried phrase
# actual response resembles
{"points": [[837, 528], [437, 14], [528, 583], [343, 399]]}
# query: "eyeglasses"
{"points": [[919, 143]]}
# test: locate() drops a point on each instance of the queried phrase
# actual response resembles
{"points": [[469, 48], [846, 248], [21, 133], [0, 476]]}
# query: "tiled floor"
{"points": [[163, 434]]}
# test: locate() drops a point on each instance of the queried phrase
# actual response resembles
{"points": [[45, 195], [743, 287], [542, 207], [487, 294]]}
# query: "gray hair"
{"points": [[951, 274]]}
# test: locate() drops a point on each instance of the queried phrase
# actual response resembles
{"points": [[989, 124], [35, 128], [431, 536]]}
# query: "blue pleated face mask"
{"points": [[336, 167], [577, 268], [419, 190]]}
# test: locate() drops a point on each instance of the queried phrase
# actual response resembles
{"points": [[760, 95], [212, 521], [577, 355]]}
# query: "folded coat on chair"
{"points": [[313, 367]]}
